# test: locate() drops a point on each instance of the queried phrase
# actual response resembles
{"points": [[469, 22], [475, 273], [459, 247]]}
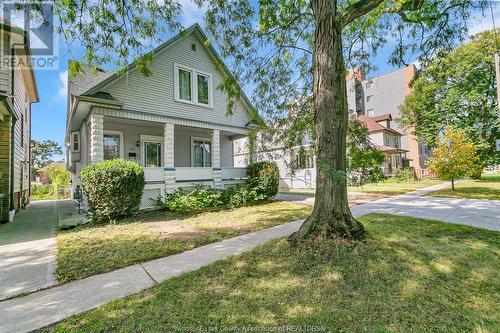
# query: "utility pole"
{"points": [[497, 67]]}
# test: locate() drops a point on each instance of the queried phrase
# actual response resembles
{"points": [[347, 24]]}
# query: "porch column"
{"points": [[168, 157], [216, 169], [96, 138]]}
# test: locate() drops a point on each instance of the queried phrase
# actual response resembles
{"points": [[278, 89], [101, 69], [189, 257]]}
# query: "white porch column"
{"points": [[216, 169], [96, 138], [168, 157]]}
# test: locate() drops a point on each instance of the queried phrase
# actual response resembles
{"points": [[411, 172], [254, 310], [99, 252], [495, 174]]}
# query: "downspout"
{"points": [[12, 153], [12, 136]]}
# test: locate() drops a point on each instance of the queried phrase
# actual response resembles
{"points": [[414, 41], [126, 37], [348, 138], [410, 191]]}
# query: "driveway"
{"points": [[27, 250]]}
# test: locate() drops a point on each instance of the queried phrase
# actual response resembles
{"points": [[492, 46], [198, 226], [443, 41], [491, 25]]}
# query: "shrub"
{"points": [[113, 188], [262, 183], [264, 178], [39, 189], [403, 175]]}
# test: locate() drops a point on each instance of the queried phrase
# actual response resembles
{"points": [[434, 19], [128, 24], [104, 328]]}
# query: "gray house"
{"points": [[173, 123]]}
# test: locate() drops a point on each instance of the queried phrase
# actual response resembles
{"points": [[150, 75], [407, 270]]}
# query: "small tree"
{"points": [[454, 156], [43, 152], [57, 176], [362, 155]]}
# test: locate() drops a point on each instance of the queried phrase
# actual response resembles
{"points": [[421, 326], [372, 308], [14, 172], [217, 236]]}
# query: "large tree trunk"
{"points": [[331, 217]]}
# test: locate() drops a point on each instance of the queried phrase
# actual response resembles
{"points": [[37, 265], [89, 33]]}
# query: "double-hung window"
{"points": [[201, 152], [75, 141], [193, 86]]}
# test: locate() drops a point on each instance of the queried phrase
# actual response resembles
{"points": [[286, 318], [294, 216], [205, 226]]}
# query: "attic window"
{"points": [[193, 86], [193, 47]]}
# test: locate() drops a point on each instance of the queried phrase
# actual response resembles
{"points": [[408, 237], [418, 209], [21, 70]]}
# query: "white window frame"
{"points": [[369, 98], [154, 139], [120, 133], [194, 86], [204, 139], [370, 112], [72, 141]]}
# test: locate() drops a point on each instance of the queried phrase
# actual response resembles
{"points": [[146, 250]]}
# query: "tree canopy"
{"points": [[43, 153], [459, 89]]}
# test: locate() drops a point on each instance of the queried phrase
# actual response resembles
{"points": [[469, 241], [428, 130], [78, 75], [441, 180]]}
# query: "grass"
{"points": [[410, 275], [486, 188], [391, 187], [93, 249], [387, 187]]}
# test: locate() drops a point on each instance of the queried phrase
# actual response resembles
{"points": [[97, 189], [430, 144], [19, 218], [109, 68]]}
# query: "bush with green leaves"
{"points": [[264, 178], [403, 175], [262, 183], [39, 189], [113, 189]]}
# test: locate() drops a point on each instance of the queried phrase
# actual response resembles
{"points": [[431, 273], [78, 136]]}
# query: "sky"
{"points": [[49, 115]]}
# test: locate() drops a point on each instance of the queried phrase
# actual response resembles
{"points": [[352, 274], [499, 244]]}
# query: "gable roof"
{"points": [[381, 117], [94, 84], [373, 126]]}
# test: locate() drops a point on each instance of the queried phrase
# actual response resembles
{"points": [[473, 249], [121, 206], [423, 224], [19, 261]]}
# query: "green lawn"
{"points": [[486, 188], [391, 187], [93, 249], [410, 275]]}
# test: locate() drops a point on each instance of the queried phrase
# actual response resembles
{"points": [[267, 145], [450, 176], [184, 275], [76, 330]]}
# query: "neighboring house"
{"points": [[297, 166], [388, 140], [17, 91], [382, 95], [173, 123]]}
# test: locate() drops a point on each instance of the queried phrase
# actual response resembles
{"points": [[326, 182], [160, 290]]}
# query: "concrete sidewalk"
{"points": [[49, 306], [27, 250], [28, 246]]}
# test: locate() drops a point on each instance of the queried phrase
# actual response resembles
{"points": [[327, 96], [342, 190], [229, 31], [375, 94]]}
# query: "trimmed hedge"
{"points": [[262, 184], [113, 188]]}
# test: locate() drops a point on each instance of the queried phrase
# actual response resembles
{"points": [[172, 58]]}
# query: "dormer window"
{"points": [[193, 86]]}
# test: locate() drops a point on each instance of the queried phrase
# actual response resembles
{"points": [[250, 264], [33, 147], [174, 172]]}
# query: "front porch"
{"points": [[172, 155]]}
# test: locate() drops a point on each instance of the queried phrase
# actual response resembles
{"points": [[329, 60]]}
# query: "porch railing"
{"points": [[194, 174]]}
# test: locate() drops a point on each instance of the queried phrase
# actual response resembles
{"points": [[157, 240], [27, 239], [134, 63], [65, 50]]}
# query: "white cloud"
{"points": [[191, 13], [63, 84]]}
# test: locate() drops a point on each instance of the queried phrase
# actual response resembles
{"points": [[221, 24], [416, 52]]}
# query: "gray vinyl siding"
{"points": [[21, 134], [155, 94], [5, 72]]}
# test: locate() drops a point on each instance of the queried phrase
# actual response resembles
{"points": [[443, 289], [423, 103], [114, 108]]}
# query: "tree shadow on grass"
{"points": [[409, 275]]}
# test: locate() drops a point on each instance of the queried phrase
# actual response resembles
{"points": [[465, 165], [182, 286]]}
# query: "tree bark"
{"points": [[453, 184], [331, 217]]}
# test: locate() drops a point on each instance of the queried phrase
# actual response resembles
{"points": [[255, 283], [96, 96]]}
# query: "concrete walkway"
{"points": [[27, 250], [52, 305]]}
